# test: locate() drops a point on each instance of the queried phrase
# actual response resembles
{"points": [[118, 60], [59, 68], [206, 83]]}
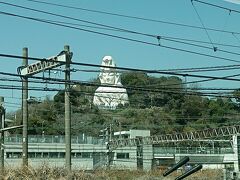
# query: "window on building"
{"points": [[14, 154], [61, 155], [86, 155], [9, 155], [78, 155], [122, 155], [31, 155], [53, 155], [38, 155], [45, 155]]}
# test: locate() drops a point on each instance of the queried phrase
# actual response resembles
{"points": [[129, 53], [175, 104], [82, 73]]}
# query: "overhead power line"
{"points": [[201, 46], [210, 94], [203, 42], [163, 37], [72, 18], [197, 69], [143, 89], [237, 38], [165, 86], [111, 35], [205, 80], [155, 86], [133, 17], [184, 41], [204, 70], [217, 6], [213, 68], [125, 38], [186, 70], [123, 68], [201, 21]]}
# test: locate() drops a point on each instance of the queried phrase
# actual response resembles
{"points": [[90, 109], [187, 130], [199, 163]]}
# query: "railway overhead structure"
{"points": [[209, 133]]}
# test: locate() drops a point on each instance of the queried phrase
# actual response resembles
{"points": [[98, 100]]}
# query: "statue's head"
{"points": [[108, 61], [108, 75]]}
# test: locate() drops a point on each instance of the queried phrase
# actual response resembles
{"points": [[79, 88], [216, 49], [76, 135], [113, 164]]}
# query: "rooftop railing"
{"points": [[192, 150], [52, 139]]}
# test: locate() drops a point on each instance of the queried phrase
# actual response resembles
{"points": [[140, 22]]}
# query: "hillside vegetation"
{"points": [[161, 104]]}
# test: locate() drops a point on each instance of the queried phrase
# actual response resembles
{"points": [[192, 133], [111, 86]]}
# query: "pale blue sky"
{"points": [[44, 40]]}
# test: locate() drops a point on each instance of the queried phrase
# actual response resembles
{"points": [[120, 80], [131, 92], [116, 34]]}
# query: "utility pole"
{"points": [[25, 111], [37, 67], [107, 146], [2, 126], [67, 110], [109, 139], [120, 130], [2, 130]]}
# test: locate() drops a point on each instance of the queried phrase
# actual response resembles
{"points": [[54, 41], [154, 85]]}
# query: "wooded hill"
{"points": [[161, 104]]}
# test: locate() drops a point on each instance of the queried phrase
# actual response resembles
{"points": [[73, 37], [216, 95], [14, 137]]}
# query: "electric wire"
{"points": [[201, 21], [200, 81], [180, 70], [73, 82], [123, 68], [201, 46], [115, 28], [133, 17], [151, 71], [156, 86], [203, 42], [236, 38], [72, 18], [217, 6], [167, 38], [237, 66], [208, 94], [124, 38]]}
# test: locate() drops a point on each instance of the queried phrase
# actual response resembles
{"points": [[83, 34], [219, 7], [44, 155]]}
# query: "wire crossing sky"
{"points": [[166, 23]]}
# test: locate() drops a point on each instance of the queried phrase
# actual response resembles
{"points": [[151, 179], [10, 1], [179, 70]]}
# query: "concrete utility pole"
{"points": [[2, 126], [29, 70], [109, 139], [67, 110], [25, 110]]}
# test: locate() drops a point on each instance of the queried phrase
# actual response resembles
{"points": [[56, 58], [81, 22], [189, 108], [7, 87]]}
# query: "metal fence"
{"points": [[192, 150], [81, 139]]}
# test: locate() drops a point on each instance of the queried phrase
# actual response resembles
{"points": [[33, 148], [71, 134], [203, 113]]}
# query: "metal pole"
{"points": [[25, 111], [2, 125], [110, 132], [120, 130], [67, 111], [108, 139]]}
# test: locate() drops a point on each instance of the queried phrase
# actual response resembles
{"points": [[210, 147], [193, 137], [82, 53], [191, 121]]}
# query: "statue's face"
{"points": [[107, 77]]}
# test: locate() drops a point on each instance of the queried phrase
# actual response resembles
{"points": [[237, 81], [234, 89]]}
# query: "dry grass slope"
{"points": [[46, 173]]}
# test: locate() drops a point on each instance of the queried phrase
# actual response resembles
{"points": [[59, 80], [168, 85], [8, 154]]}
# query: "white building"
{"points": [[90, 153]]}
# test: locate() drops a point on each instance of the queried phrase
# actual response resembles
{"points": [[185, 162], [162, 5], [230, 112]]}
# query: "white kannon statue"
{"points": [[110, 97]]}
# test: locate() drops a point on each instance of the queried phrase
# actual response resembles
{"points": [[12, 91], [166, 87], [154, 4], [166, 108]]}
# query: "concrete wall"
{"points": [[147, 157], [126, 163]]}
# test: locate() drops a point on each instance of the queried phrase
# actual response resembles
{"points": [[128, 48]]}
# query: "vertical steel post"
{"points": [[25, 111], [67, 111], [2, 125]]}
